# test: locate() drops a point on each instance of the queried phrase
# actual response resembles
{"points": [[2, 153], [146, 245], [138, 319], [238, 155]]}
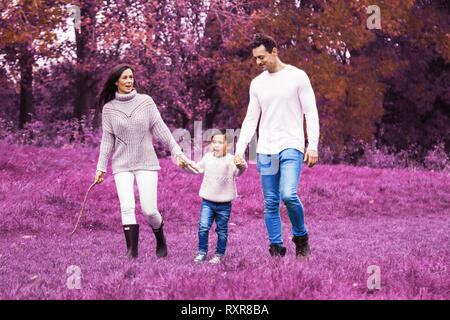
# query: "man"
{"points": [[281, 95]]}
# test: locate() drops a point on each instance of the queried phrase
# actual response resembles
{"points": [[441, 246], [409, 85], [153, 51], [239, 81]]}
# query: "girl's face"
{"points": [[125, 82], [219, 145]]}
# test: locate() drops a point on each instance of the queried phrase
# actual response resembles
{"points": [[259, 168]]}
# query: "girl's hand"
{"points": [[99, 177]]}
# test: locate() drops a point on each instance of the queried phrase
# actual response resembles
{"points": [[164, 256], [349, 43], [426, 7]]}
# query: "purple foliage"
{"points": [[437, 158], [47, 132], [356, 217], [43, 131]]}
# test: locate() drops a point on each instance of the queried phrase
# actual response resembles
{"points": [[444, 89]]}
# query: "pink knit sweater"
{"points": [[130, 122]]}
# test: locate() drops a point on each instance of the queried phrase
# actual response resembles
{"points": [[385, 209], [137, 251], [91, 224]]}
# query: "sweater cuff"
{"points": [[101, 168], [240, 148], [176, 150], [312, 145]]}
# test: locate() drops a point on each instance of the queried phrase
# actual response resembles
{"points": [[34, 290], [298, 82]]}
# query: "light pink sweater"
{"points": [[130, 121], [218, 183]]}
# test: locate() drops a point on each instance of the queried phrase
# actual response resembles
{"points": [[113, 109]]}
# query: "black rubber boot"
{"points": [[161, 247], [302, 249], [132, 238]]}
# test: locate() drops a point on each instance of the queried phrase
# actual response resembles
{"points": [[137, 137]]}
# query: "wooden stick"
{"points": [[82, 209]]}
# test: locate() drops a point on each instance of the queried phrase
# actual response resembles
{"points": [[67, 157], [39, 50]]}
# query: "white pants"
{"points": [[147, 182]]}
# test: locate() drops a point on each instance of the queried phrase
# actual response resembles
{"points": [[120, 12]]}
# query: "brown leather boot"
{"points": [[277, 251], [302, 249]]}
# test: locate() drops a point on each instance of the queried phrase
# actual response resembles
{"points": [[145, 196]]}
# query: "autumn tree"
{"points": [[24, 38], [351, 67], [184, 71], [193, 57], [417, 103], [84, 14]]}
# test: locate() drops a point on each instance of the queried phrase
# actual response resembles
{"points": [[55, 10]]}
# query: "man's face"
{"points": [[264, 59]]}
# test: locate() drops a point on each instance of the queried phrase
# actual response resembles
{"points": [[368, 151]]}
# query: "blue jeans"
{"points": [[280, 175], [210, 212]]}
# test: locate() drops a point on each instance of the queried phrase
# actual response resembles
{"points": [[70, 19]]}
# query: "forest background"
{"points": [[379, 69], [380, 73]]}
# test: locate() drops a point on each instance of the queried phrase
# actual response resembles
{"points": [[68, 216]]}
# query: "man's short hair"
{"points": [[265, 40]]}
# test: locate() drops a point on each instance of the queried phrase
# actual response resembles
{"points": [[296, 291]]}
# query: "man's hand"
{"points": [[239, 160], [240, 165], [312, 157]]}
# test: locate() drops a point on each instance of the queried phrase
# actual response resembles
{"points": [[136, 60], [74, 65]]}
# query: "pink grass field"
{"points": [[357, 217]]}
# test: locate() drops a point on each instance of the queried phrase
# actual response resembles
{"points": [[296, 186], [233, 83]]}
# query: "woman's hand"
{"points": [[99, 177], [182, 160]]}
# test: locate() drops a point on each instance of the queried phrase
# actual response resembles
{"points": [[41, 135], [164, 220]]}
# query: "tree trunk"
{"points": [[83, 82], [81, 87], [26, 87]]}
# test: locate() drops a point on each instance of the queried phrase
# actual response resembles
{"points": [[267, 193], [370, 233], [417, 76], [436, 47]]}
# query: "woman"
{"points": [[129, 121]]}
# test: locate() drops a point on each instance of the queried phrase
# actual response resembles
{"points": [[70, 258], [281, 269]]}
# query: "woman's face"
{"points": [[125, 82]]}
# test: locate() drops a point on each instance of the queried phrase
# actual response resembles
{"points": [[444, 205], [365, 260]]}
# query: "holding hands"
{"points": [[239, 160], [183, 162]]}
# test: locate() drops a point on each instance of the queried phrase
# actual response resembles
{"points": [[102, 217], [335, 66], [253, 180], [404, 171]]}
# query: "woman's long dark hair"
{"points": [[108, 92]]}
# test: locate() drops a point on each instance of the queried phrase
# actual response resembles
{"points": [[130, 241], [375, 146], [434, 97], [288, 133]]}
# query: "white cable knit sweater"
{"points": [[129, 123], [219, 180], [280, 100]]}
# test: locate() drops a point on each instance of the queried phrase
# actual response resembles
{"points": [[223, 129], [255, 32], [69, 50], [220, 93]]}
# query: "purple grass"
{"points": [[395, 219]]}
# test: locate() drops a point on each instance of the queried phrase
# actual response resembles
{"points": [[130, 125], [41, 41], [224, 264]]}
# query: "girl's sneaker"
{"points": [[217, 258], [200, 257]]}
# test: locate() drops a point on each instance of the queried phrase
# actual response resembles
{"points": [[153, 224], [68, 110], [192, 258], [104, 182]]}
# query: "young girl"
{"points": [[218, 189]]}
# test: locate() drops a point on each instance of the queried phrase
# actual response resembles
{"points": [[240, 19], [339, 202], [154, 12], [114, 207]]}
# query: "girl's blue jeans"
{"points": [[210, 212], [280, 175]]}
